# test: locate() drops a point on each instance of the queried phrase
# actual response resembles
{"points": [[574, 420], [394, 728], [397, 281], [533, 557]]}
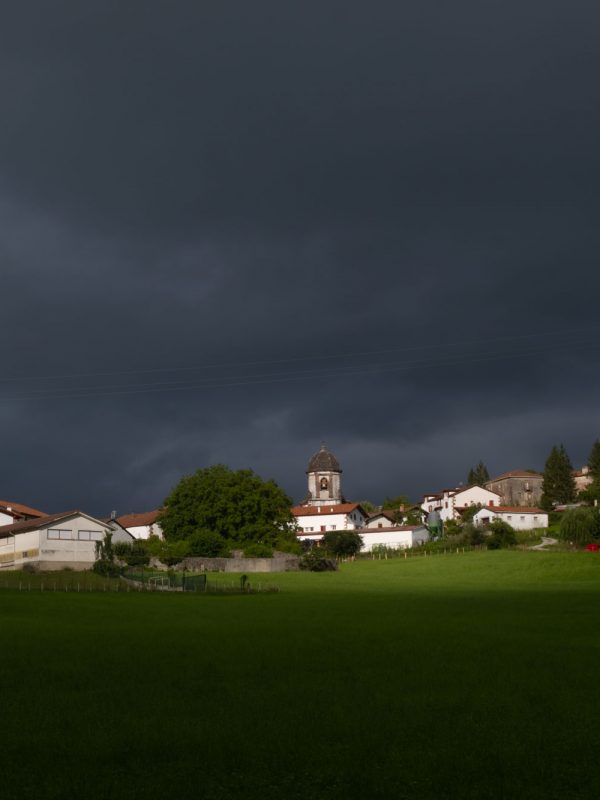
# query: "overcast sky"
{"points": [[230, 230]]}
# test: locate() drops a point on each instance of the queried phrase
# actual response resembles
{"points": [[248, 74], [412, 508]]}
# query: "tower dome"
{"points": [[324, 479], [323, 461]]}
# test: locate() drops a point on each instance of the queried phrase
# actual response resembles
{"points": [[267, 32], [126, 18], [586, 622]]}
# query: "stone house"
{"points": [[520, 487]]}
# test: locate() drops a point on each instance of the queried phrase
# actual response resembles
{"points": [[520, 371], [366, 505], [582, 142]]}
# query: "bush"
{"points": [[258, 550], [580, 525], [108, 569], [207, 544], [503, 535], [313, 561], [134, 554], [342, 543], [284, 544]]}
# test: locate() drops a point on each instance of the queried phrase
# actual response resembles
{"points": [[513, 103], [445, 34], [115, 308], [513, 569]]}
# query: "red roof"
{"points": [[139, 520], [19, 510], [516, 473], [320, 511], [514, 509], [26, 525]]}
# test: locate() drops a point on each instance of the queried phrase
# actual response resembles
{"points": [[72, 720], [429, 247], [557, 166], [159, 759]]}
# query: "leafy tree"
{"points": [[105, 558], [580, 525], [341, 543], [258, 550], [394, 503], [503, 535], [368, 506], [558, 486], [237, 505], [478, 475]]}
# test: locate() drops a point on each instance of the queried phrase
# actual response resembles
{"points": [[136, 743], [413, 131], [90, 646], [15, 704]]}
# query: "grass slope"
{"points": [[471, 676]]}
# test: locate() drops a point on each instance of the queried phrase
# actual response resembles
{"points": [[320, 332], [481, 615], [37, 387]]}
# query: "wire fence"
{"points": [[189, 584]]}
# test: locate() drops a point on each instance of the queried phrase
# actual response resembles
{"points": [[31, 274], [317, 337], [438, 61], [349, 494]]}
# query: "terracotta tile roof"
{"points": [[320, 511], [138, 520], [19, 510], [513, 509], [40, 522], [387, 513], [397, 528], [515, 473]]}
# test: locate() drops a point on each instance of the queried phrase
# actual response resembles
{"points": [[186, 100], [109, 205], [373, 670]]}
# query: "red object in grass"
{"points": [[593, 548]]}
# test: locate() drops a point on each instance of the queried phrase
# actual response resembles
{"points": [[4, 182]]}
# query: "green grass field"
{"points": [[462, 676]]}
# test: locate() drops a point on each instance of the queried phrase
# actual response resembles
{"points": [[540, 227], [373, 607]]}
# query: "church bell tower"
{"points": [[324, 479]]}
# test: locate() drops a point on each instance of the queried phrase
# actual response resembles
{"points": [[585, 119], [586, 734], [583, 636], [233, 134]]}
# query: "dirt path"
{"points": [[546, 541]]}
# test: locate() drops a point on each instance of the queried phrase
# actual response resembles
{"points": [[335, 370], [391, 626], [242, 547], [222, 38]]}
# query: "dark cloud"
{"points": [[231, 230]]}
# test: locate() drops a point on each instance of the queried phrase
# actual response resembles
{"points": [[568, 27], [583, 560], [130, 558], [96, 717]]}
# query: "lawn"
{"points": [[453, 676]]}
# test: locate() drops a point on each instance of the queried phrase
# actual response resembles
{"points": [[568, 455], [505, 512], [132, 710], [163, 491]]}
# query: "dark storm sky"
{"points": [[232, 229]]}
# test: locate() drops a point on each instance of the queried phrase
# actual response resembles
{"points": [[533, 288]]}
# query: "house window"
{"points": [[509, 517], [535, 519], [322, 527], [522, 519], [90, 536], [379, 525], [57, 533], [333, 527]]}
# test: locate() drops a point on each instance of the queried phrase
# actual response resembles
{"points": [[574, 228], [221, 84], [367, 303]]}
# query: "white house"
{"points": [[55, 541], [314, 521], [396, 536], [142, 526], [451, 503], [15, 512], [382, 519], [521, 518]]}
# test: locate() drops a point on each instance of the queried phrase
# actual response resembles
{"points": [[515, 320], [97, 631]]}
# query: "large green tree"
{"points": [[559, 484], [478, 475], [238, 505]]}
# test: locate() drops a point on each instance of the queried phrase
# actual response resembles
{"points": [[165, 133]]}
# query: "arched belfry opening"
{"points": [[324, 479]]}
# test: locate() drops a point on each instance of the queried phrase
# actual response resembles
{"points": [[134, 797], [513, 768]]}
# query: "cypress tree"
{"points": [[594, 460], [478, 475], [559, 484]]}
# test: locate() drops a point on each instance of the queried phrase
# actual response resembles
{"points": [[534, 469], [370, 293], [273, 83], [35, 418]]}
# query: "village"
{"points": [[36, 540]]}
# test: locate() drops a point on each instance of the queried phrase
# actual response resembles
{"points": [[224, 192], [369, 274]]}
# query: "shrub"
{"points": [[503, 535], [108, 569], [342, 543], [134, 554], [313, 561]]}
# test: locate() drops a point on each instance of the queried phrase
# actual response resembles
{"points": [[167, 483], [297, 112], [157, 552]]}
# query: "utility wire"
{"points": [[591, 330], [239, 381]]}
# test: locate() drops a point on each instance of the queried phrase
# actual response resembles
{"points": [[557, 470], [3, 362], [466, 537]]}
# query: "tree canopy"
{"points": [[237, 505], [559, 484], [594, 460], [478, 475], [580, 525]]}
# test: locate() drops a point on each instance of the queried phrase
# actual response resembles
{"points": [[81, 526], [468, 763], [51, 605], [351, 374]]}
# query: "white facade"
{"points": [[450, 502], [399, 537], [145, 531], [520, 518], [314, 521], [54, 543]]}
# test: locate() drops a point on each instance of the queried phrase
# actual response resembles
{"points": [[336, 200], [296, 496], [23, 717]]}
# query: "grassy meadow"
{"points": [[457, 676]]}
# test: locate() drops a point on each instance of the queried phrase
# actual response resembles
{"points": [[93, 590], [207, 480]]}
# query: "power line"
{"points": [[298, 359], [266, 378]]}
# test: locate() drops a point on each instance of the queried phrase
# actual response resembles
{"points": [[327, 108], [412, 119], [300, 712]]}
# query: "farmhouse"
{"points": [[519, 487], [451, 503], [520, 518], [142, 526], [55, 541]]}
